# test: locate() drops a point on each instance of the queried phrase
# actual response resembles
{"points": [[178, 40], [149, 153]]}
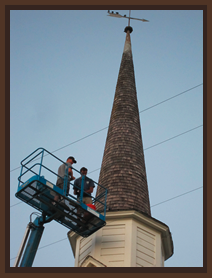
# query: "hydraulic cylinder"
{"points": [[32, 245]]}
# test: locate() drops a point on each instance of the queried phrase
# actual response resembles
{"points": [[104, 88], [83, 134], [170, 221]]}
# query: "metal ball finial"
{"points": [[128, 28]]}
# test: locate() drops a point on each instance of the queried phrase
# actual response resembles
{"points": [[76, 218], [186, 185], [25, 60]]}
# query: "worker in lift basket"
{"points": [[88, 187], [61, 175]]}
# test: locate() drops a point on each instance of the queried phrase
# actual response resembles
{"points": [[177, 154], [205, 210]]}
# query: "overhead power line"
{"points": [[171, 98], [144, 149], [70, 144], [163, 141], [107, 126], [16, 204], [151, 207], [173, 137], [177, 196], [44, 246]]}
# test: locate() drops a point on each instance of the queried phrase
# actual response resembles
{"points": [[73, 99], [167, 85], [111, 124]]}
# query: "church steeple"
{"points": [[123, 170], [131, 237]]}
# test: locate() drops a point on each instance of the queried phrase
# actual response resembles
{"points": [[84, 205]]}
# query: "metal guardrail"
{"points": [[43, 152]]}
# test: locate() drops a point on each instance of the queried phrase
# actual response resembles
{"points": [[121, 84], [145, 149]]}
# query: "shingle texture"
{"points": [[123, 170]]}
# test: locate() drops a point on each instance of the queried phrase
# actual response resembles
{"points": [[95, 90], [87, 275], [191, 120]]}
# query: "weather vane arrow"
{"points": [[124, 16]]}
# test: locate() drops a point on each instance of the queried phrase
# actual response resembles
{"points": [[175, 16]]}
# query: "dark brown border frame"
{"points": [[173, 270]]}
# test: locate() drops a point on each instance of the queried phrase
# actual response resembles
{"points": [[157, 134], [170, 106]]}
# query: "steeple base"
{"points": [[130, 239]]}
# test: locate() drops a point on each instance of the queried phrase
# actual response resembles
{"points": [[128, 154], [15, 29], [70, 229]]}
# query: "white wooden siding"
{"points": [[122, 243], [113, 245], [145, 248], [85, 248]]}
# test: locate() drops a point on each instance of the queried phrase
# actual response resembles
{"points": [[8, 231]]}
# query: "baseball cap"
{"points": [[71, 157]]}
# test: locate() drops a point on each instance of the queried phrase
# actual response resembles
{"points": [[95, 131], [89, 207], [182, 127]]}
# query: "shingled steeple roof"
{"points": [[123, 170]]}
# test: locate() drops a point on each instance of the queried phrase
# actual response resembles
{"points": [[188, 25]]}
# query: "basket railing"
{"points": [[43, 152]]}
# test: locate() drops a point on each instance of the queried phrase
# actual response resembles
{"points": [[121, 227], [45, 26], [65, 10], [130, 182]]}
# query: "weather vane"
{"points": [[124, 16]]}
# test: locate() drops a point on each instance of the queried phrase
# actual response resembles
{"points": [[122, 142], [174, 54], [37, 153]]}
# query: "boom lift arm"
{"points": [[69, 211], [35, 229]]}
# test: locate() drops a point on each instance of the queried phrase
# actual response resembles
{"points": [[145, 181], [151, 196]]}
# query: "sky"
{"points": [[64, 66]]}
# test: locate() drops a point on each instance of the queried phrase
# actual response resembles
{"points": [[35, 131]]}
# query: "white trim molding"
{"points": [[129, 239]]}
